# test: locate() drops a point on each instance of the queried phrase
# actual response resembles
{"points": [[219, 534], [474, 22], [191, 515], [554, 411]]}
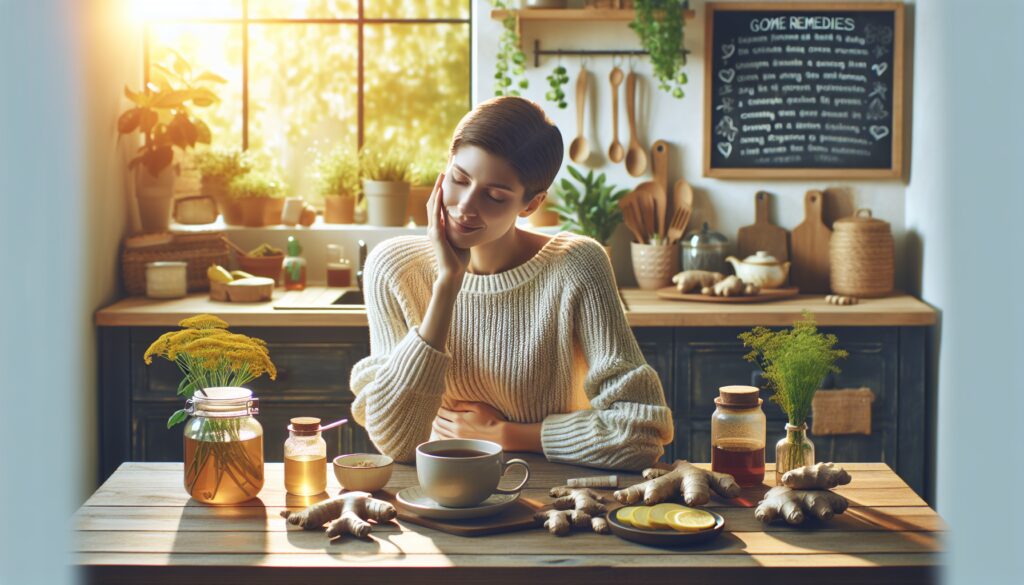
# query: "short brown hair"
{"points": [[518, 131]]}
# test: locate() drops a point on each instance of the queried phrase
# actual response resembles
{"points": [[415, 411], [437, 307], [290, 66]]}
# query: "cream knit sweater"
{"points": [[521, 341]]}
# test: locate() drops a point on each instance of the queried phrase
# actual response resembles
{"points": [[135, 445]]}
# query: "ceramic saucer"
{"points": [[415, 500]]}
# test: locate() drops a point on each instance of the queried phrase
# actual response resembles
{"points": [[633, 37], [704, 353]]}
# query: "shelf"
{"points": [[579, 14]]}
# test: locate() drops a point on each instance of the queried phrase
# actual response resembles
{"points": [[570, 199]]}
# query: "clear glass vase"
{"points": [[223, 446], [793, 451]]}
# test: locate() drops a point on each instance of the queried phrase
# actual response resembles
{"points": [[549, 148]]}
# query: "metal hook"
{"points": [[583, 62], [616, 59]]}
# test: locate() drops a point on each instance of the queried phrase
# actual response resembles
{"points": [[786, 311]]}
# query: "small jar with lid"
{"points": [[305, 457], [738, 434], [705, 250], [339, 269]]}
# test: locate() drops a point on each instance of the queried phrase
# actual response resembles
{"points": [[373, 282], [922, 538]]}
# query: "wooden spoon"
{"points": [[616, 152], [636, 158], [682, 195], [579, 150], [631, 217]]}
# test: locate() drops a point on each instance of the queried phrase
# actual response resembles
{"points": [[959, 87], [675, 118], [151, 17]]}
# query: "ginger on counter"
{"points": [[348, 512], [684, 478], [694, 280], [574, 508], [820, 476], [731, 286], [793, 505]]}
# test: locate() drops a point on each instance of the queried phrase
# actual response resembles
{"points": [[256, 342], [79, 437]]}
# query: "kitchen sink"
{"points": [[350, 297], [322, 298]]}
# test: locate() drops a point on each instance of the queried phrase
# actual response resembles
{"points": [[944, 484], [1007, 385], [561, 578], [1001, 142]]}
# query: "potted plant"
{"points": [[795, 362], [386, 172], [223, 442], [160, 113], [511, 61], [255, 193], [424, 174], [592, 209], [337, 174], [660, 26], [217, 168]]}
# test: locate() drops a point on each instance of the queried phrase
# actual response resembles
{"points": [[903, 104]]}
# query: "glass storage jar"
{"points": [[793, 451], [223, 446], [705, 250], [305, 458], [738, 434]]}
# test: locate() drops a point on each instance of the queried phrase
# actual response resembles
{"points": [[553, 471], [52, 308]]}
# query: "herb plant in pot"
{"points": [[160, 113], [795, 362], [592, 209], [218, 167], [338, 176], [255, 193], [386, 172]]}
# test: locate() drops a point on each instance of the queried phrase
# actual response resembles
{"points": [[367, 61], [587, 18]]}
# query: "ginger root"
{"points": [[683, 479], [731, 286], [574, 508], [792, 505], [348, 512], [694, 280], [820, 476]]}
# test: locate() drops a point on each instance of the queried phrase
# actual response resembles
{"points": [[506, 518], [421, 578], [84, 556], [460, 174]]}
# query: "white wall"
{"points": [[727, 205]]}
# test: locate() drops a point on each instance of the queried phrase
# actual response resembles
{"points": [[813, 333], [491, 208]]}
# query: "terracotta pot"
{"points": [[418, 196], [387, 202], [268, 266], [254, 210], [232, 212], [339, 209], [155, 197], [544, 217], [272, 211]]}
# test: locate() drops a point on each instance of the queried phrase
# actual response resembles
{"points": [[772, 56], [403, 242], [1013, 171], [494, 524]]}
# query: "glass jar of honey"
{"points": [[738, 434], [305, 458]]}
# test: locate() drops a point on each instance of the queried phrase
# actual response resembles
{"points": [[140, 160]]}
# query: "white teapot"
{"points": [[760, 268]]}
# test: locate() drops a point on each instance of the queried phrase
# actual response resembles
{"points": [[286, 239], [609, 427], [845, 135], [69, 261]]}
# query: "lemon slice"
{"points": [[659, 514], [690, 520], [642, 517], [625, 515]]}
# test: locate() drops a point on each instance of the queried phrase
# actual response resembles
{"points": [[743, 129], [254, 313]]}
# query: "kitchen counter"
{"points": [[643, 309]]}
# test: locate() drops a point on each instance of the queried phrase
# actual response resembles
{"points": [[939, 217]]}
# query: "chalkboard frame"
{"points": [[896, 168]]}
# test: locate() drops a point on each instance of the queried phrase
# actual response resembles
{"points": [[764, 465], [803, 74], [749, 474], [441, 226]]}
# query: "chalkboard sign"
{"points": [[803, 90]]}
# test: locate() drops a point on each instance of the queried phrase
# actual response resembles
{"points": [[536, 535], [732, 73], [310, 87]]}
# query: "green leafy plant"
{"points": [[337, 172], [558, 78], [795, 362], [511, 61], [659, 24], [221, 164], [426, 168], [160, 112], [385, 163], [256, 184], [591, 210]]}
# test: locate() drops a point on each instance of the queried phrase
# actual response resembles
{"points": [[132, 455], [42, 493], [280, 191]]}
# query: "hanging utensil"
{"points": [[616, 152], [636, 158], [579, 150]]}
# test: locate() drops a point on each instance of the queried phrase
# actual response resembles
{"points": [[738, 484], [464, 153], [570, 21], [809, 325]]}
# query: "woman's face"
{"points": [[483, 197]]}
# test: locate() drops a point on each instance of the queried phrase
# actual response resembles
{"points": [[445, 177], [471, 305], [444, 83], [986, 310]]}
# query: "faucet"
{"points": [[362, 263]]}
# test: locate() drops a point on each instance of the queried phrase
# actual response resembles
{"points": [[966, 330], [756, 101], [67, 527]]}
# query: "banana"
{"points": [[217, 273], [236, 274]]}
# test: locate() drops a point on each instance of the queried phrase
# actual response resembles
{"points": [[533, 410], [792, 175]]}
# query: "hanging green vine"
{"points": [[659, 24], [558, 78], [511, 59]]}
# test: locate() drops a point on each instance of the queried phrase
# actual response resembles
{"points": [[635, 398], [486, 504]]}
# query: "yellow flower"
{"points": [[204, 321]]}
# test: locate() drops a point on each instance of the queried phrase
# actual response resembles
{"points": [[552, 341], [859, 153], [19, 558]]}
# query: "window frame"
{"points": [[360, 21]]}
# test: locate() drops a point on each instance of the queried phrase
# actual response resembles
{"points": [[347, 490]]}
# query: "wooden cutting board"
{"points": [[763, 235], [810, 269], [518, 516]]}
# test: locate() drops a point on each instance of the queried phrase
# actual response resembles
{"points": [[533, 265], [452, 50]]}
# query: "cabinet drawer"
{"points": [[311, 365], [153, 441]]}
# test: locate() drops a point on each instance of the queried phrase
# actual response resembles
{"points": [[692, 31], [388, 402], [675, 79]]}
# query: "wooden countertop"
{"points": [[141, 526], [644, 309]]}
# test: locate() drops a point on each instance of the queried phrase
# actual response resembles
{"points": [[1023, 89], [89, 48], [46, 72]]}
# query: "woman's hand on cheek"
{"points": [[451, 261], [470, 420]]}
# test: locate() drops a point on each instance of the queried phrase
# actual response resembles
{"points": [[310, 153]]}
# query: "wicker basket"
{"points": [[198, 250], [861, 256]]}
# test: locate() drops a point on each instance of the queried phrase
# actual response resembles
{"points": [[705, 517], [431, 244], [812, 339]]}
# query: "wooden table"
{"points": [[141, 527]]}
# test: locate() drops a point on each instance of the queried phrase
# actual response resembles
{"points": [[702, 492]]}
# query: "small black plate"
{"points": [[665, 537]]}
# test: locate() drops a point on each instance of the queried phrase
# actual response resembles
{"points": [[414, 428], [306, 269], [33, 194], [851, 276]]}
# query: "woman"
{"points": [[484, 330]]}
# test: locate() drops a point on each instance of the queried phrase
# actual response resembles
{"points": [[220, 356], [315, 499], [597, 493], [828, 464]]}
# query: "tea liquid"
{"points": [[305, 475], [741, 458], [224, 473]]}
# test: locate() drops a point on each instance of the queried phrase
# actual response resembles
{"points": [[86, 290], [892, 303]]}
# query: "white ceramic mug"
{"points": [[461, 481]]}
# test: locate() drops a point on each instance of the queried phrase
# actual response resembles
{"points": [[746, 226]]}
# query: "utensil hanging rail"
{"points": [[537, 52]]}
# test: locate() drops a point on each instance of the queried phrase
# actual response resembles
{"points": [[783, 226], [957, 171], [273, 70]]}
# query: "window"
{"points": [[305, 75]]}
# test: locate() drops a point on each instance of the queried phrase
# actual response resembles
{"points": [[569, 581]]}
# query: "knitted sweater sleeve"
{"points": [[399, 387], [629, 421]]}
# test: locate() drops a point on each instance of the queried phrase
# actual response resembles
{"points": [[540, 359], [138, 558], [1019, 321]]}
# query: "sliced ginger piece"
{"points": [[690, 520]]}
